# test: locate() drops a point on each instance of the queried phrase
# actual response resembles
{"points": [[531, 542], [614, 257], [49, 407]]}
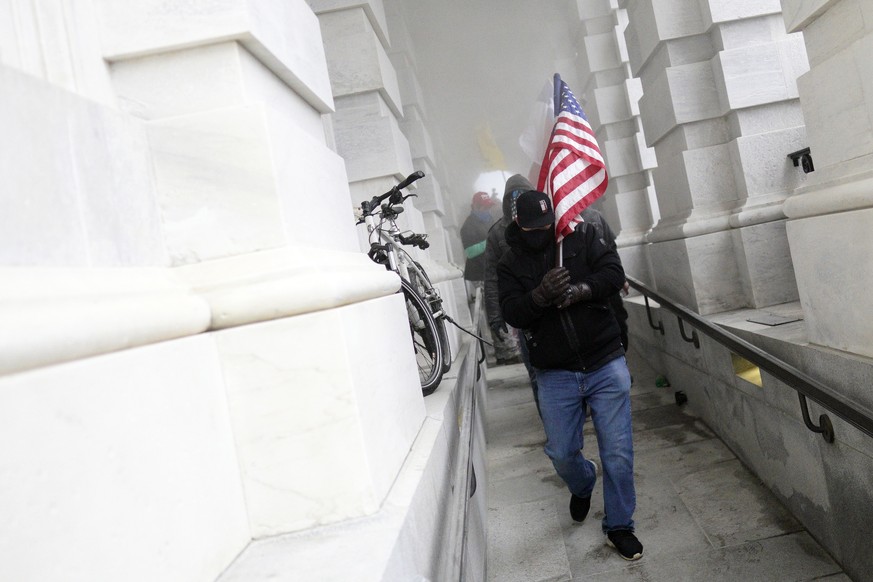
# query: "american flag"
{"points": [[573, 172]]}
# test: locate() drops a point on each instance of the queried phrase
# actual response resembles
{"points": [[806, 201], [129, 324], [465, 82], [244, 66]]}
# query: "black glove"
{"points": [[551, 287], [574, 294], [499, 329]]}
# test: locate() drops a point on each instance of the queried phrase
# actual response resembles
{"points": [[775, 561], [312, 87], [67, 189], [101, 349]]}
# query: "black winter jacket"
{"points": [[585, 335], [495, 248]]}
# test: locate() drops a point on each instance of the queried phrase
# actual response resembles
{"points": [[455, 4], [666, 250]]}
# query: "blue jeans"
{"points": [[563, 395]]}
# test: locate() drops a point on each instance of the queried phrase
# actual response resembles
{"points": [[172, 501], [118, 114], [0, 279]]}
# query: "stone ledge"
{"points": [[57, 315], [283, 282], [374, 10], [798, 14], [842, 195], [284, 35]]}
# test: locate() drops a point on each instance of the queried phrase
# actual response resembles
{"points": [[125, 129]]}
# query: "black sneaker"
{"points": [[579, 507], [627, 544]]}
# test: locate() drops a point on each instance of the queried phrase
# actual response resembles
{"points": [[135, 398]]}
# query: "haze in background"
{"points": [[482, 64]]}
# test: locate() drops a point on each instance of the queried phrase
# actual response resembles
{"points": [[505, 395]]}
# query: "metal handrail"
{"points": [[806, 386]]}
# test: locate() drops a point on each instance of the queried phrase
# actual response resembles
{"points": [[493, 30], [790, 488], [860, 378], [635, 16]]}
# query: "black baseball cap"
{"points": [[533, 209]]}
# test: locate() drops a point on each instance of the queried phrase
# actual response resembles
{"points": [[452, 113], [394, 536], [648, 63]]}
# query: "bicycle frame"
{"points": [[424, 306], [390, 242], [407, 269]]}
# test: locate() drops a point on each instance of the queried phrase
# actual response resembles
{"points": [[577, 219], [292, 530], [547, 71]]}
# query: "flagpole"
{"points": [[557, 92], [556, 95]]}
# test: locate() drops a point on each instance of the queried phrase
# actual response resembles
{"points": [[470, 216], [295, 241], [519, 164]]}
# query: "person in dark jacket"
{"points": [[506, 343], [497, 246], [574, 343], [473, 234]]}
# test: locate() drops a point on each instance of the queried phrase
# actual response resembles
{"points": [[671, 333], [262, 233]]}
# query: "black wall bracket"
{"points": [[660, 326], [825, 426], [693, 339], [803, 158]]}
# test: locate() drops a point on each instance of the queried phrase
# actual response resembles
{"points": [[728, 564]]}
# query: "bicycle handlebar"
{"points": [[416, 240], [373, 204], [409, 180]]}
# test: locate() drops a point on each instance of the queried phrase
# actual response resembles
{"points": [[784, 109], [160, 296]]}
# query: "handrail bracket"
{"points": [[825, 426], [854, 413], [660, 326], [693, 339]]}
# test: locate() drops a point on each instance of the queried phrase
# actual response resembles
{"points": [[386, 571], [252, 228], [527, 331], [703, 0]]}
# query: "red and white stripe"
{"points": [[573, 172]]}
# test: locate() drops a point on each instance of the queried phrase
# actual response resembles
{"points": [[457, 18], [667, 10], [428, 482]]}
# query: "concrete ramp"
{"points": [[701, 515]]}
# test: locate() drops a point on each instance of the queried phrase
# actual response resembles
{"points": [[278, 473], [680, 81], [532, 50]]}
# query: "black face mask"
{"points": [[537, 240]]}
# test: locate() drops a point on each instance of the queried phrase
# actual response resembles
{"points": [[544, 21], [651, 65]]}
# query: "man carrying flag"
{"points": [[572, 335]]}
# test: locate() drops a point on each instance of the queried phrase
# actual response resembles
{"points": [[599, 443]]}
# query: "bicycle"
{"points": [[427, 318]]}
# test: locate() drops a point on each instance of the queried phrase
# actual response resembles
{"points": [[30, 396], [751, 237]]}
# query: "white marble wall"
{"points": [[369, 138], [283, 35], [830, 215], [373, 9], [58, 42], [242, 165], [310, 424], [61, 204], [121, 467], [53, 315], [189, 147], [412, 533], [364, 83], [720, 109], [452, 224], [258, 147]]}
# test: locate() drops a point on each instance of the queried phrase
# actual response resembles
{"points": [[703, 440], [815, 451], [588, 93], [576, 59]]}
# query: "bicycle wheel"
{"points": [[425, 339], [421, 282]]}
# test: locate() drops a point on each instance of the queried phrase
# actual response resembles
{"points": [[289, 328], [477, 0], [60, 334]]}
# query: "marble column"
{"points": [[365, 89], [611, 96], [368, 108], [831, 215], [381, 137], [720, 109], [431, 201], [234, 104]]}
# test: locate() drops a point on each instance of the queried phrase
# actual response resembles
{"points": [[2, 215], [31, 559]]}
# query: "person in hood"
{"points": [[473, 234], [574, 344], [507, 347]]}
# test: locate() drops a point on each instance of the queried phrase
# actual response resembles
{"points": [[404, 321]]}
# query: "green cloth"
{"points": [[475, 250]]}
